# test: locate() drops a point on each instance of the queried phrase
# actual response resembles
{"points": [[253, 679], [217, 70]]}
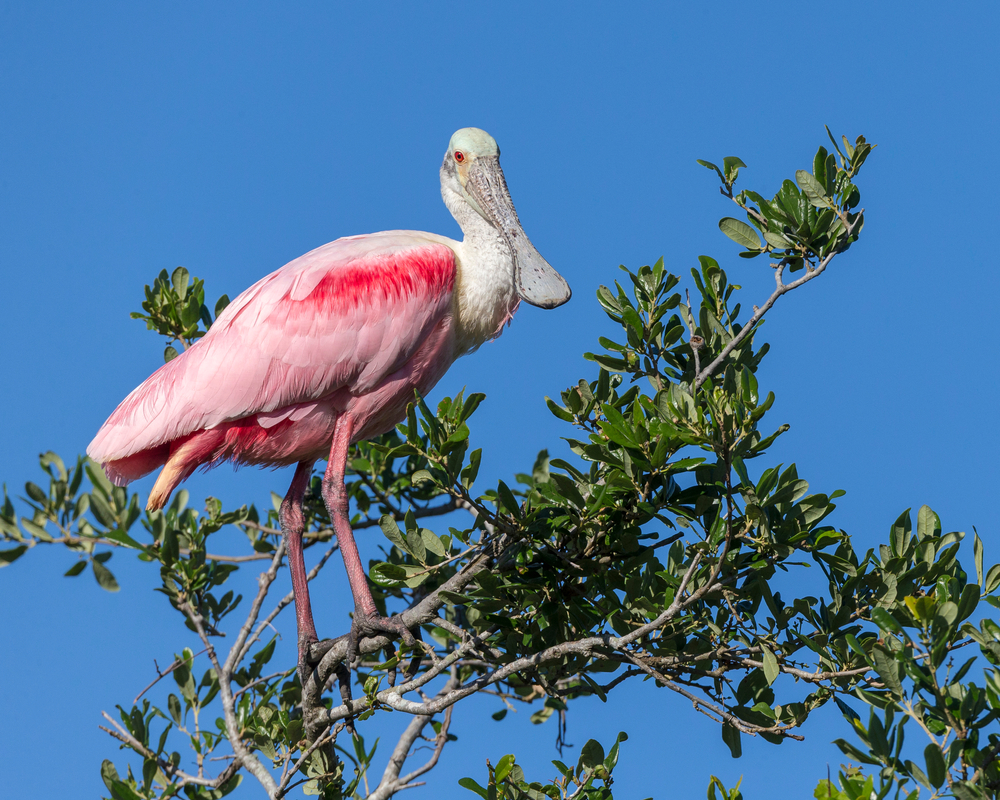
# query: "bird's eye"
{"points": [[459, 156]]}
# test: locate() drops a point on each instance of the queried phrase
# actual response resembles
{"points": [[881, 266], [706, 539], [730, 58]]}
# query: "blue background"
{"points": [[231, 138]]}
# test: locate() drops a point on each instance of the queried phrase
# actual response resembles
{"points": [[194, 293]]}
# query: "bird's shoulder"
{"points": [[373, 269]]}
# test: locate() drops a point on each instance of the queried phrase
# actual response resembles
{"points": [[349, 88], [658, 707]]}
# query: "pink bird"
{"points": [[328, 351]]}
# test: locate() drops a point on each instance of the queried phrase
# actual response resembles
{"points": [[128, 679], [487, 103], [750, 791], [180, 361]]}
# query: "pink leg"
{"points": [[367, 621], [292, 526]]}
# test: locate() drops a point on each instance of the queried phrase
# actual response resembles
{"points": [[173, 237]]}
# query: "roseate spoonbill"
{"points": [[327, 351]]}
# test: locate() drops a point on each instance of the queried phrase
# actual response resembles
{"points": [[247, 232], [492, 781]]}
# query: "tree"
{"points": [[651, 555]]}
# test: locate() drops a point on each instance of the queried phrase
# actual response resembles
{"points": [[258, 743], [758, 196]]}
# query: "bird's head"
{"points": [[471, 169]]}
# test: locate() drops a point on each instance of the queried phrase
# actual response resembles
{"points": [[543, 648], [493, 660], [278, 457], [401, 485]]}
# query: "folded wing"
{"points": [[343, 316]]}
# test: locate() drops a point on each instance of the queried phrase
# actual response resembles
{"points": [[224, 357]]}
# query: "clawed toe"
{"points": [[393, 627]]}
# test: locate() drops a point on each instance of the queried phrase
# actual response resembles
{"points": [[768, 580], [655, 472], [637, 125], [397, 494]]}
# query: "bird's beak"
{"points": [[535, 281]]}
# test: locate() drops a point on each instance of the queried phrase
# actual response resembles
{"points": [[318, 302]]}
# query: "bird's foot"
{"points": [[373, 625]]}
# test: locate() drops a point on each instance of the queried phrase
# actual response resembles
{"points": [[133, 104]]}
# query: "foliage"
{"points": [[660, 552], [591, 779], [175, 307]]}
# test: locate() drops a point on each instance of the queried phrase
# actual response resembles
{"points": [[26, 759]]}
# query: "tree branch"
{"points": [[168, 768], [391, 782]]}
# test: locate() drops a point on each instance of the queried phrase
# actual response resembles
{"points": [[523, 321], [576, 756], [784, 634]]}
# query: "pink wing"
{"points": [[343, 316]]}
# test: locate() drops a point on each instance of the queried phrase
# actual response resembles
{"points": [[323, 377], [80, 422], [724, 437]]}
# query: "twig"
{"points": [[283, 603], [161, 675], [321, 741]]}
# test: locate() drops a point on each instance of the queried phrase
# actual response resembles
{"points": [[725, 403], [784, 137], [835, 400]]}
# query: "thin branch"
{"points": [[161, 675], [264, 581], [283, 603], [235, 733], [265, 679], [321, 741], [722, 713], [781, 289], [168, 768]]}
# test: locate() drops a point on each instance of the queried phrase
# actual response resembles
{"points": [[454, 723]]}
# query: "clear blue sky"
{"points": [[230, 138]]}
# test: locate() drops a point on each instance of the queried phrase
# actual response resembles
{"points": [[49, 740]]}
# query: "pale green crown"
{"points": [[474, 142]]}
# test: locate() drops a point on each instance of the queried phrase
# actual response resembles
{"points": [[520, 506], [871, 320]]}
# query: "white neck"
{"points": [[485, 299]]}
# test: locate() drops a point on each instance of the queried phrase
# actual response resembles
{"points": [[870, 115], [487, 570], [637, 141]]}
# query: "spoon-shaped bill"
{"points": [[535, 281]]}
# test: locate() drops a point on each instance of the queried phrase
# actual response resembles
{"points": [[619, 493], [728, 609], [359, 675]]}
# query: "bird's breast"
{"points": [[484, 299]]}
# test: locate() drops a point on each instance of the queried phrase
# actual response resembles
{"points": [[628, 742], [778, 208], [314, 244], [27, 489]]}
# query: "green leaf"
{"points": [[170, 550], [966, 790], [612, 759], [432, 543], [108, 773], [992, 579], [293, 731], [936, 770], [35, 493], [422, 476], [592, 754], [967, 601], [38, 531], [174, 707], [885, 620], [180, 279], [415, 546], [472, 786], [10, 556], [710, 165], [731, 166], [740, 232], [104, 577], [123, 538], [389, 576], [507, 501], [918, 775], [812, 189], [149, 769], [503, 767], [731, 736], [888, 669], [928, 523], [392, 532], [558, 411], [771, 670], [102, 510], [977, 549], [76, 569], [776, 240]]}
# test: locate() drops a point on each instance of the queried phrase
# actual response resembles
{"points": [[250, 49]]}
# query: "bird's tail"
{"points": [[185, 457]]}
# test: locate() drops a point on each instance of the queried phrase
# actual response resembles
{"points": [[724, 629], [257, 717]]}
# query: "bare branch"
{"points": [[321, 741]]}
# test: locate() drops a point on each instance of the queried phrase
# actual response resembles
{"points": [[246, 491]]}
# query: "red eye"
{"points": [[459, 156]]}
